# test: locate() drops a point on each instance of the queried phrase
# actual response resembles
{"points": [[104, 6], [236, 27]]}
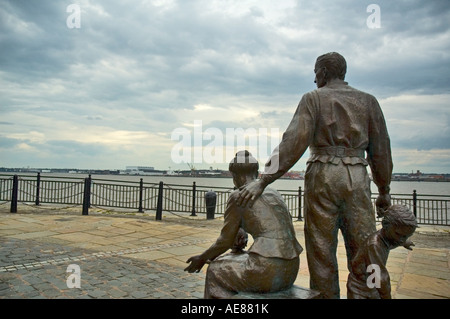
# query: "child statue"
{"points": [[369, 278]]}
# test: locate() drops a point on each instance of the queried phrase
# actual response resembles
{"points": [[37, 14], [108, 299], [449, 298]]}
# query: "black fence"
{"points": [[89, 192]]}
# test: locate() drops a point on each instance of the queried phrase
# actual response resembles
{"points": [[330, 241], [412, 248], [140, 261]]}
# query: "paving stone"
{"points": [[97, 293], [116, 293], [139, 294], [198, 295], [51, 293]]}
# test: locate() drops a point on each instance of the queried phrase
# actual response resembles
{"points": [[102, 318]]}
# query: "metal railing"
{"points": [[140, 196]]}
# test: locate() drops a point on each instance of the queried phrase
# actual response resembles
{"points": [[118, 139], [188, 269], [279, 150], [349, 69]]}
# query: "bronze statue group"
{"points": [[345, 131]]}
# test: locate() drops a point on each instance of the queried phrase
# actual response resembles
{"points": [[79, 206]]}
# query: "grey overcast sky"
{"points": [[110, 92]]}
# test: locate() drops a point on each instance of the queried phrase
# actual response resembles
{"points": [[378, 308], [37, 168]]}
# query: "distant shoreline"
{"points": [[116, 173], [421, 180]]}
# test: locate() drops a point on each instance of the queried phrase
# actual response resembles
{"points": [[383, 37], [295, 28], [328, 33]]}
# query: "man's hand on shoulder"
{"points": [[250, 193]]}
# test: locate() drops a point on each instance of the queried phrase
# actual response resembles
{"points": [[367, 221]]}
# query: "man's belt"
{"points": [[338, 151]]}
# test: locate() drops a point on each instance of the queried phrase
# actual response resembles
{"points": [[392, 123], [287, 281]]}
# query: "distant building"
{"points": [[141, 170]]}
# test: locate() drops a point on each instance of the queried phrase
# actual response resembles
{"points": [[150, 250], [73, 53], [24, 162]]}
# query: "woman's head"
{"points": [[243, 166]]}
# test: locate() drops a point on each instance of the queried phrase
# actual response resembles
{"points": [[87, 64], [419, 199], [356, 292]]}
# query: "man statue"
{"points": [[340, 125], [272, 262]]}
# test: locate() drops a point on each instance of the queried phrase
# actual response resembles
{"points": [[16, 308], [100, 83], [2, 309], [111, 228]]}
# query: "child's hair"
{"points": [[244, 163], [399, 215]]}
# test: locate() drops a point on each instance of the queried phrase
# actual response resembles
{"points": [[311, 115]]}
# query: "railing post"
{"points": [[38, 189], [415, 203], [210, 201], [299, 204], [14, 194], [160, 198], [193, 199], [87, 195], [89, 198], [141, 190]]}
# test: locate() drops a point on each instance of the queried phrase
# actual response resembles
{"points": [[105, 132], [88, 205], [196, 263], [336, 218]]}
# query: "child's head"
{"points": [[399, 223]]}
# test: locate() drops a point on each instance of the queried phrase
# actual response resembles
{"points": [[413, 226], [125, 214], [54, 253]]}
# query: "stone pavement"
{"points": [[132, 256]]}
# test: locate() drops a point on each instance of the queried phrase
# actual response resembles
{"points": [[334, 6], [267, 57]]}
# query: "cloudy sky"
{"points": [[133, 82]]}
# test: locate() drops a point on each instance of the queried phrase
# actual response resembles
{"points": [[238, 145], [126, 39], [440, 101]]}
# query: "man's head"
{"points": [[243, 167], [399, 223], [329, 66]]}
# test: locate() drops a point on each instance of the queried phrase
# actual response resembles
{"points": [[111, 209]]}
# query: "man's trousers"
{"points": [[337, 196]]}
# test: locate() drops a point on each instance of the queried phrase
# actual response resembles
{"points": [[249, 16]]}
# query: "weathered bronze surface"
{"points": [[346, 131], [272, 262]]}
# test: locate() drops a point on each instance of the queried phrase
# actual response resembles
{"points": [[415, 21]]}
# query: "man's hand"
{"points": [[383, 202], [249, 194], [196, 265]]}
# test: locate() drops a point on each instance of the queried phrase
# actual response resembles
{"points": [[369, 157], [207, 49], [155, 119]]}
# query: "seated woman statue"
{"points": [[272, 262]]}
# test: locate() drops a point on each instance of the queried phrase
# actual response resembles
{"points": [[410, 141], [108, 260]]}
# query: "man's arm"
{"points": [[296, 139], [379, 156]]}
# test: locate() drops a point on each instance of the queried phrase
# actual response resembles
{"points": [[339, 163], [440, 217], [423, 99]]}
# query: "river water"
{"points": [[397, 187]]}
